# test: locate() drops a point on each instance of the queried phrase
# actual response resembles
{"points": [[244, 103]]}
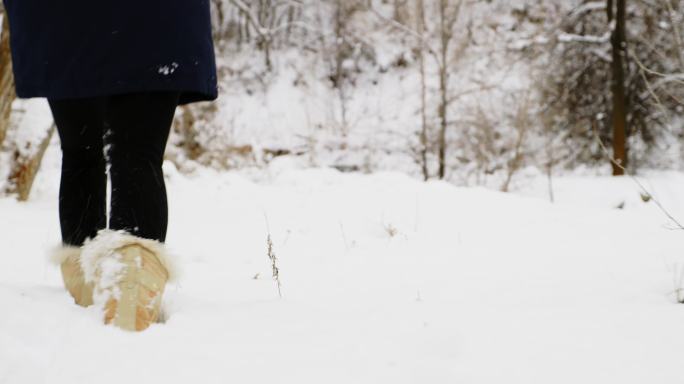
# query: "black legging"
{"points": [[133, 130]]}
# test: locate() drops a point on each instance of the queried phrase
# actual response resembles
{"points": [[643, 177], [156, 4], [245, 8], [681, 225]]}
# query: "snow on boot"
{"points": [[129, 275], [68, 258]]}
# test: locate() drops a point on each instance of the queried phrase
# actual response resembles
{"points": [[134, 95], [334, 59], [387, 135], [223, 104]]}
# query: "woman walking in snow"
{"points": [[113, 72]]}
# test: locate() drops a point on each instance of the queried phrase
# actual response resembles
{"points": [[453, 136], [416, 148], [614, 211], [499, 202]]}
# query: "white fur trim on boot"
{"points": [[129, 275], [106, 241]]}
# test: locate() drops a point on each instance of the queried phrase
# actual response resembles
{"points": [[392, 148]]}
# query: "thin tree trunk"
{"points": [[445, 37], [266, 18], [220, 20], [423, 92], [548, 148], [609, 10], [291, 15], [339, 67], [618, 42], [521, 126]]}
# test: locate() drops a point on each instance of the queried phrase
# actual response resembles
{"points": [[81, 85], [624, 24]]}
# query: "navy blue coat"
{"points": [[66, 49]]}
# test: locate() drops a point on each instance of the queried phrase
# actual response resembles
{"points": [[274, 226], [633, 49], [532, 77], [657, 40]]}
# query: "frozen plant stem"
{"points": [[274, 266], [272, 257], [344, 237], [678, 282]]}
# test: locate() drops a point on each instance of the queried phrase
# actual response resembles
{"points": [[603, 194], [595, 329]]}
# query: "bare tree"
{"points": [[619, 114], [449, 11], [424, 148], [7, 93], [612, 64]]}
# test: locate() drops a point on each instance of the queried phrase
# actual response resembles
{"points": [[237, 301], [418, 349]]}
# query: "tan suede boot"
{"points": [[141, 288], [68, 259], [130, 274]]}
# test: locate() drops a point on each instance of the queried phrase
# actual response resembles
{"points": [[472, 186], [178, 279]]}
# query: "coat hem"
{"points": [[188, 95]]}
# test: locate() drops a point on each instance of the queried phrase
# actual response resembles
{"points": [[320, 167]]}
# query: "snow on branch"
{"points": [[572, 38]]}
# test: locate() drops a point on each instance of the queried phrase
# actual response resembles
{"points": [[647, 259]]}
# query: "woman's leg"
{"points": [[83, 186], [137, 128]]}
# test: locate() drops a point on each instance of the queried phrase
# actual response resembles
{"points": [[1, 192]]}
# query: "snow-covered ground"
{"points": [[385, 279]]}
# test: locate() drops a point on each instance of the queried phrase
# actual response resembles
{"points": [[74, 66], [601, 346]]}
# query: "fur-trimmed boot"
{"points": [[68, 258], [129, 274]]}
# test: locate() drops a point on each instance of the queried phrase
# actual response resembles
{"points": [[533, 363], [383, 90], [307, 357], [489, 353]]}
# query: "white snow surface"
{"points": [[385, 279]]}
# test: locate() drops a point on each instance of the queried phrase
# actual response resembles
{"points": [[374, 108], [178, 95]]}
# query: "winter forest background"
{"points": [[476, 92], [313, 250]]}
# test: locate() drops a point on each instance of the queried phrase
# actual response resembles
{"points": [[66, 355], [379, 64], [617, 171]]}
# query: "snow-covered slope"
{"points": [[385, 280]]}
